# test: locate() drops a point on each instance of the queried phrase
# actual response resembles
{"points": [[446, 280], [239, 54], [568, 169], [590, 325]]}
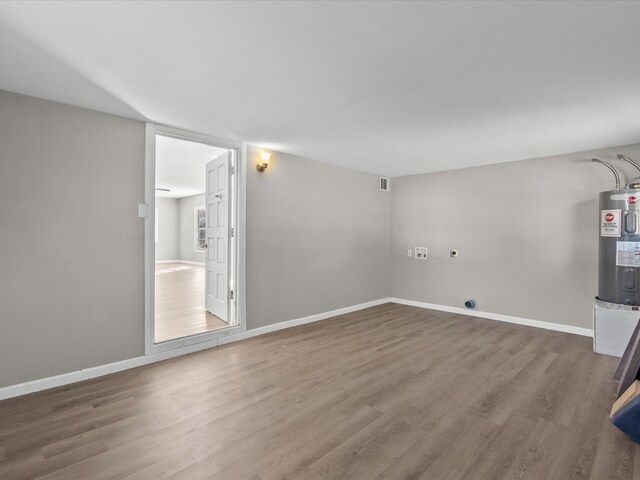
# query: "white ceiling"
{"points": [[393, 88], [180, 166]]}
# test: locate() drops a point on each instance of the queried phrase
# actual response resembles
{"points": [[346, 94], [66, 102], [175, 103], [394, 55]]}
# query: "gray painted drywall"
{"points": [[176, 228], [71, 243], [317, 239], [526, 231], [168, 246], [186, 207]]}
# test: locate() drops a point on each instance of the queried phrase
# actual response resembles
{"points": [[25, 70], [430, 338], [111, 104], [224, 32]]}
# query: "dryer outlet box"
{"points": [[420, 253]]}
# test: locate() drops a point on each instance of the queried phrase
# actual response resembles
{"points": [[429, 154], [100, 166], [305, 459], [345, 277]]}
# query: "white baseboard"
{"points": [[94, 372], [586, 332], [101, 370], [188, 262], [300, 321]]}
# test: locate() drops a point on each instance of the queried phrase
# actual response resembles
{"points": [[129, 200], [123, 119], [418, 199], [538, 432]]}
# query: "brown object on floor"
{"points": [[180, 302], [630, 393], [391, 392], [630, 363]]}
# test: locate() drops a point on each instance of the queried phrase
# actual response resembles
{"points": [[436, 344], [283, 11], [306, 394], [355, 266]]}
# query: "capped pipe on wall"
{"points": [[471, 303]]}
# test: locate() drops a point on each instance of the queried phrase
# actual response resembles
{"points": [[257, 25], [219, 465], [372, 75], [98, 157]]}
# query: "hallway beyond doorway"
{"points": [[180, 310]]}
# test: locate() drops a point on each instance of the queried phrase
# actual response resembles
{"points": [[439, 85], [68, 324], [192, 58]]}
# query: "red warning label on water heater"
{"points": [[632, 200], [610, 223]]}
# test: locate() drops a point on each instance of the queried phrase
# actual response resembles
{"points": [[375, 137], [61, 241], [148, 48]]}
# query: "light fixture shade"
{"points": [[264, 161]]}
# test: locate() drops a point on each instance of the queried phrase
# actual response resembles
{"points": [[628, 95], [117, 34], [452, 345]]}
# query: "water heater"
{"points": [[619, 257]]}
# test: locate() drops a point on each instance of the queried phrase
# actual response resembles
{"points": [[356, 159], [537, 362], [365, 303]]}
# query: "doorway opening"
{"points": [[195, 214]]}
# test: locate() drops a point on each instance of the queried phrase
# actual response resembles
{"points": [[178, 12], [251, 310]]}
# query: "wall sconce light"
{"points": [[264, 163]]}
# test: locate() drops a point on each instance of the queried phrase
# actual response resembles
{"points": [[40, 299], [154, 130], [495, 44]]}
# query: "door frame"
{"points": [[238, 305]]}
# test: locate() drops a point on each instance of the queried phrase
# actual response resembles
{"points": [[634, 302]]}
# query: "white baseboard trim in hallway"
{"points": [[586, 332], [101, 370], [188, 262]]}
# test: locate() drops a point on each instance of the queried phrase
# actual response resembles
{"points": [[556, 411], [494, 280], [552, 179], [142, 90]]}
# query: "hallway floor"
{"points": [[180, 302]]}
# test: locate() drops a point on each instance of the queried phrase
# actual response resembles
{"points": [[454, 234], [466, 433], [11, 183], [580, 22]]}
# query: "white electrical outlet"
{"points": [[421, 253], [409, 252]]}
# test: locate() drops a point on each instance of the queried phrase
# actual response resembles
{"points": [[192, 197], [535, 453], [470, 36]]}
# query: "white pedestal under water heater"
{"points": [[617, 308]]}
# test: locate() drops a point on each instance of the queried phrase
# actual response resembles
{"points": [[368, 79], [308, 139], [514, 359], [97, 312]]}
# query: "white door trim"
{"points": [[239, 183]]}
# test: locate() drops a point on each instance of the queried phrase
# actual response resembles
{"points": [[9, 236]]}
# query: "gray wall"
{"points": [[527, 233], [317, 239], [168, 246], [176, 228], [71, 244], [187, 206]]}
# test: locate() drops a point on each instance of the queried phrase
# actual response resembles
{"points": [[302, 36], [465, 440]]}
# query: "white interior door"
{"points": [[217, 258]]}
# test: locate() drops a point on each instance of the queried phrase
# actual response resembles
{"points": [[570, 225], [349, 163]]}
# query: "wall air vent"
{"points": [[384, 184]]}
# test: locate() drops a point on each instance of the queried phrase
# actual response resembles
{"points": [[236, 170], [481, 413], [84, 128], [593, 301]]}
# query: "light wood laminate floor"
{"points": [[391, 392], [180, 302]]}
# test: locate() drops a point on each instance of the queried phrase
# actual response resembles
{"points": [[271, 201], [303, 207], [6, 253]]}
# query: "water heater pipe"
{"points": [[627, 159], [610, 167]]}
